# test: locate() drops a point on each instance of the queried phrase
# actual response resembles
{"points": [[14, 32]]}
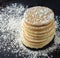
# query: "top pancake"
{"points": [[38, 15]]}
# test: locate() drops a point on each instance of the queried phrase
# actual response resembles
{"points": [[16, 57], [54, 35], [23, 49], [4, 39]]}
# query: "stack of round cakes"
{"points": [[38, 27]]}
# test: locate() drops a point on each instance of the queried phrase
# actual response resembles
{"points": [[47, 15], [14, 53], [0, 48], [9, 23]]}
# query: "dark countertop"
{"points": [[53, 4]]}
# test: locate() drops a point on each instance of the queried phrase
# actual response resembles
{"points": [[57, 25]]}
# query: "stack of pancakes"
{"points": [[38, 27]]}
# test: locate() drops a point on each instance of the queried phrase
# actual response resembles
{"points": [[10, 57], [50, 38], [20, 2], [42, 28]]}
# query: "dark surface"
{"points": [[53, 4]]}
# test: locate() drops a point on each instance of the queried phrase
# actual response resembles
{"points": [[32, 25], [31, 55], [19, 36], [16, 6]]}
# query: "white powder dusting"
{"points": [[39, 15], [10, 35]]}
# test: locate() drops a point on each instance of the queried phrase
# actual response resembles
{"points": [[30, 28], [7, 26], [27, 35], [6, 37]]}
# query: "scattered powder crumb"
{"points": [[10, 34]]}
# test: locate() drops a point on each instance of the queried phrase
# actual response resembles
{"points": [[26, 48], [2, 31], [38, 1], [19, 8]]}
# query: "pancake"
{"points": [[38, 32], [37, 40], [40, 37], [39, 15], [37, 45], [35, 28], [38, 27]]}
